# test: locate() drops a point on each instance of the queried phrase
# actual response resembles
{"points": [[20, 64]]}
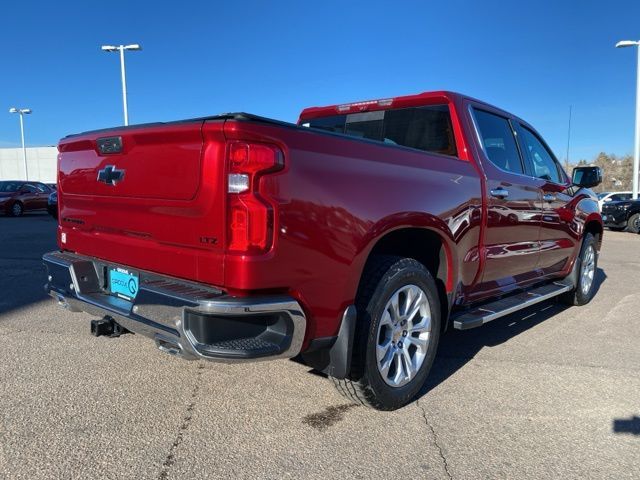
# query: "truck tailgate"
{"points": [[156, 203]]}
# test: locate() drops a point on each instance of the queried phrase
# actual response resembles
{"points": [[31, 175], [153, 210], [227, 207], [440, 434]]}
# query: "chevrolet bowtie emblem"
{"points": [[110, 175]]}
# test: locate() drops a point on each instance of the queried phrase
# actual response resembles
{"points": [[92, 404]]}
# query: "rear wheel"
{"points": [[396, 336], [633, 225], [17, 209], [587, 267]]}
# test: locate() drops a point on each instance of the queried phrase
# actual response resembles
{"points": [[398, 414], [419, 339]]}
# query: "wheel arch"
{"points": [[427, 240], [594, 226]]}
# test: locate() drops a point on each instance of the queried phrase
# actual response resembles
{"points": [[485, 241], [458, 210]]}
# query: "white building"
{"points": [[41, 164]]}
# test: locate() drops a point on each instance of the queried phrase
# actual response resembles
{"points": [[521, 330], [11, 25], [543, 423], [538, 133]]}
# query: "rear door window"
{"points": [[541, 159], [498, 141], [427, 128]]}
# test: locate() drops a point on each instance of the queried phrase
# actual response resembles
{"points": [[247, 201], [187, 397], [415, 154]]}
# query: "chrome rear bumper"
{"points": [[187, 319]]}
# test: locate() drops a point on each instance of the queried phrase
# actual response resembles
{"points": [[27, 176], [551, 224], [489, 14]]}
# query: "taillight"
{"points": [[250, 216]]}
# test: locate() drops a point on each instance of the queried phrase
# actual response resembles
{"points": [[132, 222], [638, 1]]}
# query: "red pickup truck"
{"points": [[351, 240]]}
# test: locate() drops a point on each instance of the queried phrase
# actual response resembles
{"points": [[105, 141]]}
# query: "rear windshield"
{"points": [[426, 128], [9, 186]]}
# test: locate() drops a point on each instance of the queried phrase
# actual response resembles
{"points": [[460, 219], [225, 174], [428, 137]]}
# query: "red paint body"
{"points": [[332, 201]]}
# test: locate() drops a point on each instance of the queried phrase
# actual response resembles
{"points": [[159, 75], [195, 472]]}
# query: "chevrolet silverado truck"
{"points": [[351, 240]]}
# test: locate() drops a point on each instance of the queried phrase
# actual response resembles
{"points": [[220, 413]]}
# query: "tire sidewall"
{"points": [[397, 277], [633, 225]]}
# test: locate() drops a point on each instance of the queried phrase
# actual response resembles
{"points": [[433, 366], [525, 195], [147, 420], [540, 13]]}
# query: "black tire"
{"points": [[16, 210], [578, 296], [633, 225], [382, 278]]}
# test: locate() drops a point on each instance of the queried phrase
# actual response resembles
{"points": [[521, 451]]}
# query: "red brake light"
{"points": [[250, 216], [253, 158]]}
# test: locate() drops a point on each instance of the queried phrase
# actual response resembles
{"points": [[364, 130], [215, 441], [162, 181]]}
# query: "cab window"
{"points": [[498, 141], [426, 128], [542, 162]]}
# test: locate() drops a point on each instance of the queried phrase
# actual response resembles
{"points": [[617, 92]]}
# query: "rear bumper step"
{"points": [[183, 318], [505, 306]]}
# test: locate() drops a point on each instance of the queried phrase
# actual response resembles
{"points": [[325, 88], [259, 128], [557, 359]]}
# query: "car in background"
{"points": [[606, 197], [52, 204], [19, 196], [622, 215]]}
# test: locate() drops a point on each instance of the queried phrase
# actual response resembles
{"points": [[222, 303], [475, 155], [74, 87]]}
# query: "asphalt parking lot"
{"points": [[552, 392]]}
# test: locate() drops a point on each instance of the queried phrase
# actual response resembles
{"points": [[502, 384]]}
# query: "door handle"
{"points": [[549, 197], [499, 193]]}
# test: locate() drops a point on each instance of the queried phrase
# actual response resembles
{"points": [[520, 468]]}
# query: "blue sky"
{"points": [[274, 58]]}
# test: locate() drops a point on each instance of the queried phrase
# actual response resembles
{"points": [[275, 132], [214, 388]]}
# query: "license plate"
{"points": [[123, 283]]}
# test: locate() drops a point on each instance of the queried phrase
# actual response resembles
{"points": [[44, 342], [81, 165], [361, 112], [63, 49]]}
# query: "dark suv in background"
{"points": [[17, 197], [622, 215]]}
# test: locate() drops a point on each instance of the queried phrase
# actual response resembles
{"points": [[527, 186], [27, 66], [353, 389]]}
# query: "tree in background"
{"points": [[617, 172]]}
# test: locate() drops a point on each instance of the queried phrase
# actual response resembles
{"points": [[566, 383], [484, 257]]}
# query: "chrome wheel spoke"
{"points": [[383, 350], [415, 306], [409, 367], [386, 319], [419, 343], [393, 308], [385, 365], [423, 326], [399, 368]]}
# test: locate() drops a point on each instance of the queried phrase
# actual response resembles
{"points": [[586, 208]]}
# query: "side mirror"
{"points": [[587, 177]]}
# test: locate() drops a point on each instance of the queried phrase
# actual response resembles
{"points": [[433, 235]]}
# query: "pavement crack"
{"points": [[445, 464], [170, 459]]}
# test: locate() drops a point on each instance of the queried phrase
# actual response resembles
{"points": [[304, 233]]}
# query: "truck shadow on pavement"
{"points": [[457, 347]]}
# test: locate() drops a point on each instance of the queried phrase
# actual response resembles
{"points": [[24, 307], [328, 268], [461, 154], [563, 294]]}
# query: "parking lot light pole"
{"points": [[636, 150], [22, 112], [121, 49]]}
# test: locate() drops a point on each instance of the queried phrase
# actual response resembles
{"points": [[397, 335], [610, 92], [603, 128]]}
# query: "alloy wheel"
{"points": [[403, 335], [588, 270]]}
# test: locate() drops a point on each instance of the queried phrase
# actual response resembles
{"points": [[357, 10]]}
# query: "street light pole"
{"points": [[124, 85], [22, 111], [636, 150], [121, 49]]}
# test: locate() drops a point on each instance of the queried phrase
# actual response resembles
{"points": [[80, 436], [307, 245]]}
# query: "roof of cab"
{"points": [[405, 101]]}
